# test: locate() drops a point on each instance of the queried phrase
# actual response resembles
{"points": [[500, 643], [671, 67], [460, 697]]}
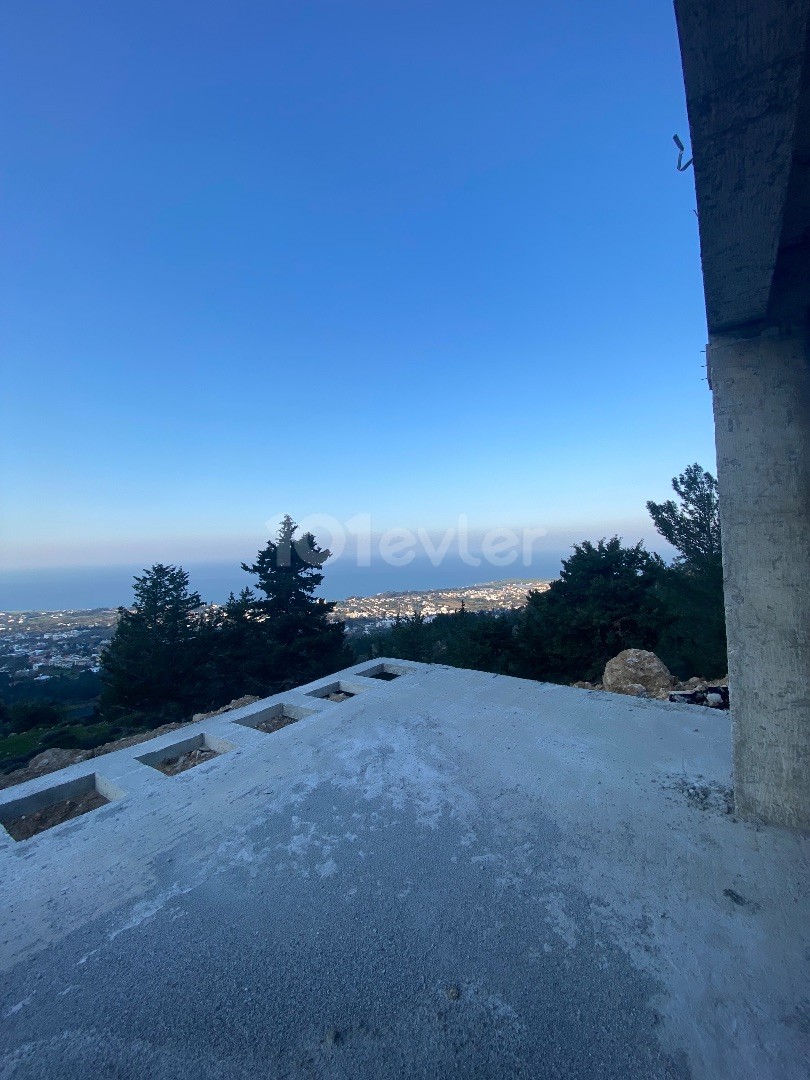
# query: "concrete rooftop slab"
{"points": [[447, 874]]}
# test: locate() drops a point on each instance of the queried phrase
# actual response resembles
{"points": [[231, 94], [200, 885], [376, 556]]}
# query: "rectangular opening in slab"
{"points": [[383, 672], [185, 754], [336, 691], [24, 818], [274, 718]]}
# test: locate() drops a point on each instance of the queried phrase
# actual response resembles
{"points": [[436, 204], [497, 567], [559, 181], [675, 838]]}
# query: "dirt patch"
{"points": [[28, 825], [339, 695], [175, 765], [275, 723]]}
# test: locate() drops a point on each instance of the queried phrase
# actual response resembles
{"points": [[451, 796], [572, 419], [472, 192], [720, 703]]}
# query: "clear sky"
{"points": [[405, 258]]}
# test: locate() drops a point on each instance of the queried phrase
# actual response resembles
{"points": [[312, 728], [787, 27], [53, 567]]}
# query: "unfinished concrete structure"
{"points": [[747, 76], [449, 874]]}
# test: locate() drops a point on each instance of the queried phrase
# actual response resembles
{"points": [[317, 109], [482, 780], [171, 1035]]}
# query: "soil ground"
{"points": [[28, 825], [275, 723], [176, 765]]}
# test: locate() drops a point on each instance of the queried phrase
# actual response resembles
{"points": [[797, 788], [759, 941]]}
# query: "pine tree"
{"points": [[291, 639], [150, 664], [695, 641], [693, 525], [235, 647]]}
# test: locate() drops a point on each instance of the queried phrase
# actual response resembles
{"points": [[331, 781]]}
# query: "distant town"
{"points": [[36, 646], [366, 613]]}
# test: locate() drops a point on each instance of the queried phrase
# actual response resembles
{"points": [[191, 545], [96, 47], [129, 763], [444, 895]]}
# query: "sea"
{"points": [[60, 589]]}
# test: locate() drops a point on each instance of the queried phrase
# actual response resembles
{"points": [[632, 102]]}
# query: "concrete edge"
{"points": [[122, 769]]}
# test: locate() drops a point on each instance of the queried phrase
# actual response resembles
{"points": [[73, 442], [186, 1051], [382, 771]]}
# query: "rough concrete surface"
{"points": [[762, 429], [449, 874], [744, 64]]}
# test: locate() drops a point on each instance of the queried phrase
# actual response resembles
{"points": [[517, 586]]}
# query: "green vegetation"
{"points": [[76, 689], [36, 723], [694, 640], [265, 644], [608, 598], [152, 659], [29, 727], [172, 656], [692, 525]]}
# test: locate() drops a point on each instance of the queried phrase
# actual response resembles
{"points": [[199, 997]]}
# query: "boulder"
{"points": [[637, 672], [632, 689]]}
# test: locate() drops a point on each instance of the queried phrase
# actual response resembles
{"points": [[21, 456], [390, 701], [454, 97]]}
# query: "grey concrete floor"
{"points": [[451, 874]]}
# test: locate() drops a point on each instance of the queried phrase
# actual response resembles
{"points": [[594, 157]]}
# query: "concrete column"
{"points": [[761, 389]]}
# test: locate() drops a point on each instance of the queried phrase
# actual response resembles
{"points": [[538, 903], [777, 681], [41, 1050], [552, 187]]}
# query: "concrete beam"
{"points": [[743, 65]]}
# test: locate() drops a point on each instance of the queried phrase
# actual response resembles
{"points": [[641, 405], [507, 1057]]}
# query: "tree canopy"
{"points": [[605, 600], [608, 597], [692, 525], [695, 640], [280, 635], [151, 660], [169, 657]]}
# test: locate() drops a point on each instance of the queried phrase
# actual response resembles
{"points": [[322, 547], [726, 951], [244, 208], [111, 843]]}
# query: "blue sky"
{"points": [[409, 259]]}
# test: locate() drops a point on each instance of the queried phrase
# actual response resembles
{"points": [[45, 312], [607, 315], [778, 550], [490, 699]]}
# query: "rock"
{"points": [[693, 684], [713, 696], [636, 672], [240, 702], [632, 689], [50, 760], [582, 685], [702, 686], [686, 697], [237, 703]]}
